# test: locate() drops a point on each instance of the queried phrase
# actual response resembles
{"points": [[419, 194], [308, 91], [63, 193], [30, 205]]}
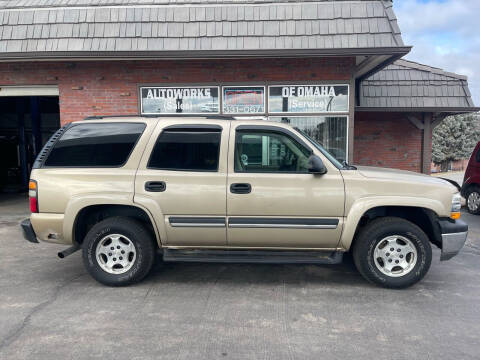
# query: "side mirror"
{"points": [[316, 166]]}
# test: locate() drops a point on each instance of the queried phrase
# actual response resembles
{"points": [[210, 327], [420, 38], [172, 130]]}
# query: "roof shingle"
{"points": [[238, 25], [409, 85]]}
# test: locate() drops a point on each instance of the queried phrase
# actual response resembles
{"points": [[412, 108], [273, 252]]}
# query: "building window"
{"points": [[265, 151], [308, 98], [179, 100], [186, 150], [243, 100], [329, 131], [321, 110], [95, 145]]}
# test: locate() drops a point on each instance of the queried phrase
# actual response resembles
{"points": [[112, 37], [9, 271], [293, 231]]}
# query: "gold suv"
{"points": [[213, 189]]}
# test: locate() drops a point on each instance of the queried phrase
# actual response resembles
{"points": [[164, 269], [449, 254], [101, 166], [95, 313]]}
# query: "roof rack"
{"points": [[211, 117]]}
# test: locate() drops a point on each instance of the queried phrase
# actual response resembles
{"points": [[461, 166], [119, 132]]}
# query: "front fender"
{"points": [[362, 205]]}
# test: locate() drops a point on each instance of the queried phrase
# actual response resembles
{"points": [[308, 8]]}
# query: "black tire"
{"points": [[141, 238], [379, 229], [472, 190]]}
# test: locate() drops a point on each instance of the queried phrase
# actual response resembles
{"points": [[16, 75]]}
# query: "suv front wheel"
{"points": [[118, 251], [392, 252]]}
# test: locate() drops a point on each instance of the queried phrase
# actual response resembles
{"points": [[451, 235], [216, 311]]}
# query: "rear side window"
{"points": [[477, 157], [95, 145], [186, 150]]}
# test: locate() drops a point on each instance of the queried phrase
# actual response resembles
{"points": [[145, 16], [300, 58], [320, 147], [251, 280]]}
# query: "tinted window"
{"points": [[95, 145], [259, 151], [477, 157], [186, 150]]}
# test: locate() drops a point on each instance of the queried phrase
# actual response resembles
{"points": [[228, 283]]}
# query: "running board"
{"points": [[253, 256]]}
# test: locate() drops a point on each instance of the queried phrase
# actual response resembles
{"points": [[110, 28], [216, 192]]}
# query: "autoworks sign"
{"points": [[179, 100]]}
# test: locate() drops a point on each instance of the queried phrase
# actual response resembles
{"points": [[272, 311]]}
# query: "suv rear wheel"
{"points": [[473, 200], [118, 251], [392, 252]]}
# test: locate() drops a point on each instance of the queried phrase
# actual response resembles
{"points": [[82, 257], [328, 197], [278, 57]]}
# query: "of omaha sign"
{"points": [[308, 91], [308, 98]]}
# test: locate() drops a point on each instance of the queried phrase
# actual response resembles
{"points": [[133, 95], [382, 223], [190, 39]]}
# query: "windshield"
{"points": [[329, 156]]}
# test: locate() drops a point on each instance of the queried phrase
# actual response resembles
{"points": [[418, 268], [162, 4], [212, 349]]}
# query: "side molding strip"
{"points": [[178, 221], [244, 222], [288, 223]]}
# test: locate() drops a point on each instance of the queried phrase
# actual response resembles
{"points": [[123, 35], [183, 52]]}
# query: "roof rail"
{"points": [[212, 117]]}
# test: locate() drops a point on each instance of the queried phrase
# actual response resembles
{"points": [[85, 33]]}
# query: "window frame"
{"points": [[269, 129], [192, 129], [72, 125]]}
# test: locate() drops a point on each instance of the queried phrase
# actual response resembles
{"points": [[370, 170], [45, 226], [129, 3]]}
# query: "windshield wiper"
{"points": [[346, 166]]}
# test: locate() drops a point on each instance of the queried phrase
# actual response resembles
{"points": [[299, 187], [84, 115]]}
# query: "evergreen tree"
{"points": [[454, 139]]}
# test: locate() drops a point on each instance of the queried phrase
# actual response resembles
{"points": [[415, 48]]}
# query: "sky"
{"points": [[444, 34]]}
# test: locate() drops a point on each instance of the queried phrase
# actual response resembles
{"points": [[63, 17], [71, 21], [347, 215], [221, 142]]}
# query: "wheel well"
{"points": [[91, 215], [423, 218]]}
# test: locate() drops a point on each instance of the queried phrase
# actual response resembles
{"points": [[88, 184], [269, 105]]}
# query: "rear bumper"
{"points": [[28, 232], [454, 235], [49, 227]]}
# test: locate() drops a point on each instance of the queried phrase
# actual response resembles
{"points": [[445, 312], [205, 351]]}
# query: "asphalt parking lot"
{"points": [[51, 308]]}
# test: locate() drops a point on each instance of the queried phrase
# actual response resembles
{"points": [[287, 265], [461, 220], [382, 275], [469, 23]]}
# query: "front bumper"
{"points": [[28, 232], [454, 234]]}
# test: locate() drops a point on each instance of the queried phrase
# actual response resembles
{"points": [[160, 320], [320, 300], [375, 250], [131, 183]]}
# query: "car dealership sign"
{"points": [[179, 100], [308, 98], [244, 99]]}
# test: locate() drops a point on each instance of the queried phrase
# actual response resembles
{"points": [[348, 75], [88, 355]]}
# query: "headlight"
{"points": [[456, 206]]}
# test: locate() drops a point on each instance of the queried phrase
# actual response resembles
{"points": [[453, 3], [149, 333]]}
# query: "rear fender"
{"points": [[76, 204]]}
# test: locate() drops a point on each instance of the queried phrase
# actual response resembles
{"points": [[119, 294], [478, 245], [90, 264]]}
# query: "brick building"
{"points": [[332, 68]]}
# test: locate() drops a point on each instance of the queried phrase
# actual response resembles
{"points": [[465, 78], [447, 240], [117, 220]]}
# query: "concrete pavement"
{"points": [[51, 309]]}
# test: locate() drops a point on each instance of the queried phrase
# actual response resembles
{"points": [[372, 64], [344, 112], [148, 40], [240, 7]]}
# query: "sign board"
{"points": [[179, 100], [308, 98], [244, 100]]}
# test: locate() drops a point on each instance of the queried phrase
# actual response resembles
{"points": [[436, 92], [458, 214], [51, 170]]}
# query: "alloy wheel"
{"points": [[115, 253], [395, 256]]}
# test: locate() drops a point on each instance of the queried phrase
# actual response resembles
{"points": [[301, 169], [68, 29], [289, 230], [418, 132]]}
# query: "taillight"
{"points": [[33, 194]]}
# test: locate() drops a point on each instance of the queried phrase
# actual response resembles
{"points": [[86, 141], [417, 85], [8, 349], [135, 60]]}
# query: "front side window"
{"points": [[266, 151], [95, 145], [186, 150]]}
